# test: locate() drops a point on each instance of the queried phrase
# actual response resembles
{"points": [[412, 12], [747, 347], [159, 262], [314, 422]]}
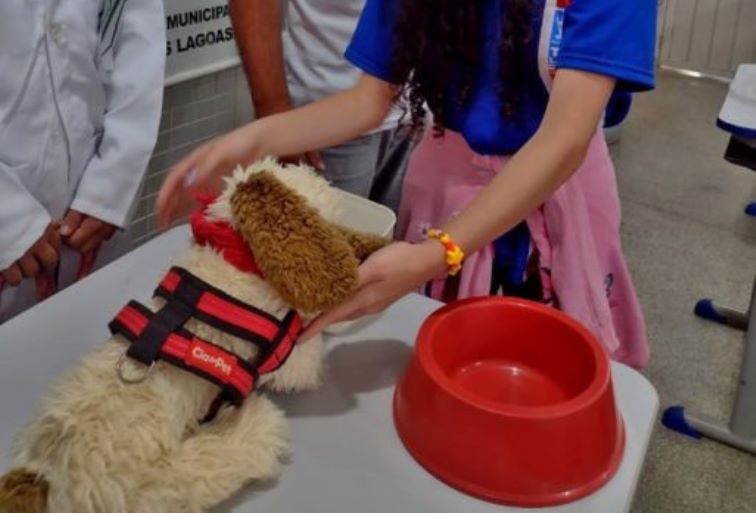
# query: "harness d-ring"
{"points": [[132, 381]]}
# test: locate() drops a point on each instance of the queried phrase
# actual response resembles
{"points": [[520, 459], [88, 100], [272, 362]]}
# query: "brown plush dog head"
{"points": [[287, 216]]}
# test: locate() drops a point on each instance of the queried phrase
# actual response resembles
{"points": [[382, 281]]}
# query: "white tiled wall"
{"points": [[193, 112], [709, 36]]}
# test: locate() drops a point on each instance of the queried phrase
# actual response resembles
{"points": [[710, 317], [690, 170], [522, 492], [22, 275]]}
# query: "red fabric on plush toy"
{"points": [[221, 236]]}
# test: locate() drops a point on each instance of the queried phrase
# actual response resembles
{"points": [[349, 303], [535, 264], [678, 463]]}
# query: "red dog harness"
{"points": [[161, 335]]}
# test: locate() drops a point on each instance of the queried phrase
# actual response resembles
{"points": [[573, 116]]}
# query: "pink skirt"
{"points": [[576, 234]]}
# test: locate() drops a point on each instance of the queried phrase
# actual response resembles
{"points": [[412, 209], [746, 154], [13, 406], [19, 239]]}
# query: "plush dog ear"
{"points": [[363, 245], [306, 259]]}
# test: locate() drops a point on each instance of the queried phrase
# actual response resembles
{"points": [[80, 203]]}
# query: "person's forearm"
{"points": [[324, 123], [554, 153], [257, 30], [529, 178]]}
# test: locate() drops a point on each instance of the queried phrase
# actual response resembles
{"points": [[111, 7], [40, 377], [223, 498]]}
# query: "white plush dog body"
{"points": [[100, 445]]}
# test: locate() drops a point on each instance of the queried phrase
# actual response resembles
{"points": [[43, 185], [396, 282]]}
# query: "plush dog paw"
{"points": [[23, 492]]}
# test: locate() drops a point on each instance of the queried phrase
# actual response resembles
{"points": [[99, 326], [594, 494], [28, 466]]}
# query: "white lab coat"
{"points": [[79, 115]]}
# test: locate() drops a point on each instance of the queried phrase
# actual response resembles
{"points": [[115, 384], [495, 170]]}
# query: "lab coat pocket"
{"points": [[18, 182], [18, 172]]}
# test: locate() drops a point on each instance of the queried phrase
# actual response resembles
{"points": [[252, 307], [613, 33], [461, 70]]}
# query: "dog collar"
{"points": [[221, 236], [160, 335]]}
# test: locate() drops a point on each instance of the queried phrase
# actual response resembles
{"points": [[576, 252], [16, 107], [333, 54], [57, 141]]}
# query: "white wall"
{"points": [[207, 94], [709, 36], [193, 112]]}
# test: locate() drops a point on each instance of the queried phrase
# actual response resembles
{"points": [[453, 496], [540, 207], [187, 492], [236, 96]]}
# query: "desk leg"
{"points": [[744, 413], [709, 310], [741, 433]]}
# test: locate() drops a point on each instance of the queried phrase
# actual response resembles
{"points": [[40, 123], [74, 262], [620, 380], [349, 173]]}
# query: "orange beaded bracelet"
{"points": [[454, 254]]}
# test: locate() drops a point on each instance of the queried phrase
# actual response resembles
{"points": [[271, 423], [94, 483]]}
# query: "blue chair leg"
{"points": [[710, 311], [674, 419], [751, 209], [705, 309], [740, 431]]}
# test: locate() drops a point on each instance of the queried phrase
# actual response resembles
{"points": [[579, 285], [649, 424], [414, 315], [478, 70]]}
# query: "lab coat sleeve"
{"points": [[134, 92], [23, 219]]}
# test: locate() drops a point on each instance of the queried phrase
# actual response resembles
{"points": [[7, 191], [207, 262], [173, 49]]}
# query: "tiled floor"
{"points": [[686, 237]]}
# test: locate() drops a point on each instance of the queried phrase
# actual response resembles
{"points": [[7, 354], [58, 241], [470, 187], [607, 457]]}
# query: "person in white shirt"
{"points": [[80, 100], [293, 54]]}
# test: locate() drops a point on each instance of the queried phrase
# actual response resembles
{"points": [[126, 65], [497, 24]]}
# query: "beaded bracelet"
{"points": [[454, 254]]}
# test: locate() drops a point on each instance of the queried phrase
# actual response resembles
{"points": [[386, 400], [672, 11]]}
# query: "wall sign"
{"points": [[200, 39]]}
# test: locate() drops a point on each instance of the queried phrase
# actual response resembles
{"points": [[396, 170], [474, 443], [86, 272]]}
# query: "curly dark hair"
{"points": [[438, 43]]}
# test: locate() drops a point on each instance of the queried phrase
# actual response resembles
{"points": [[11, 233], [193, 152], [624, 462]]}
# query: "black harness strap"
{"points": [[134, 321], [161, 335], [218, 309]]}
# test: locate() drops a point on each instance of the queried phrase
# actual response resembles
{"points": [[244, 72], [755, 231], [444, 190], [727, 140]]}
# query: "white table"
{"points": [[346, 454]]}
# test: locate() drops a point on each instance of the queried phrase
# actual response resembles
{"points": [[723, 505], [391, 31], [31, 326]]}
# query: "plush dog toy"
{"points": [[166, 417]]}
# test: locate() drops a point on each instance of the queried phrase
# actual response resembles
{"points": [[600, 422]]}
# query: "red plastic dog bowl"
{"points": [[512, 402]]}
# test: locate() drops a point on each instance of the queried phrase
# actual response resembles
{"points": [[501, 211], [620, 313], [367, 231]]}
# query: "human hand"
{"points": [[43, 255], [84, 233], [202, 170], [386, 276]]}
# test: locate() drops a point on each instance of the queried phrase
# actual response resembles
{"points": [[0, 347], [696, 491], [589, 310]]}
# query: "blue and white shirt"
{"points": [[615, 38]]}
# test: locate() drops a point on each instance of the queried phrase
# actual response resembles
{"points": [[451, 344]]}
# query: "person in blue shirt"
{"points": [[526, 79]]}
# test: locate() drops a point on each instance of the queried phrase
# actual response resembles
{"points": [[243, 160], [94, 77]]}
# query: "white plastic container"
{"points": [[364, 216]]}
